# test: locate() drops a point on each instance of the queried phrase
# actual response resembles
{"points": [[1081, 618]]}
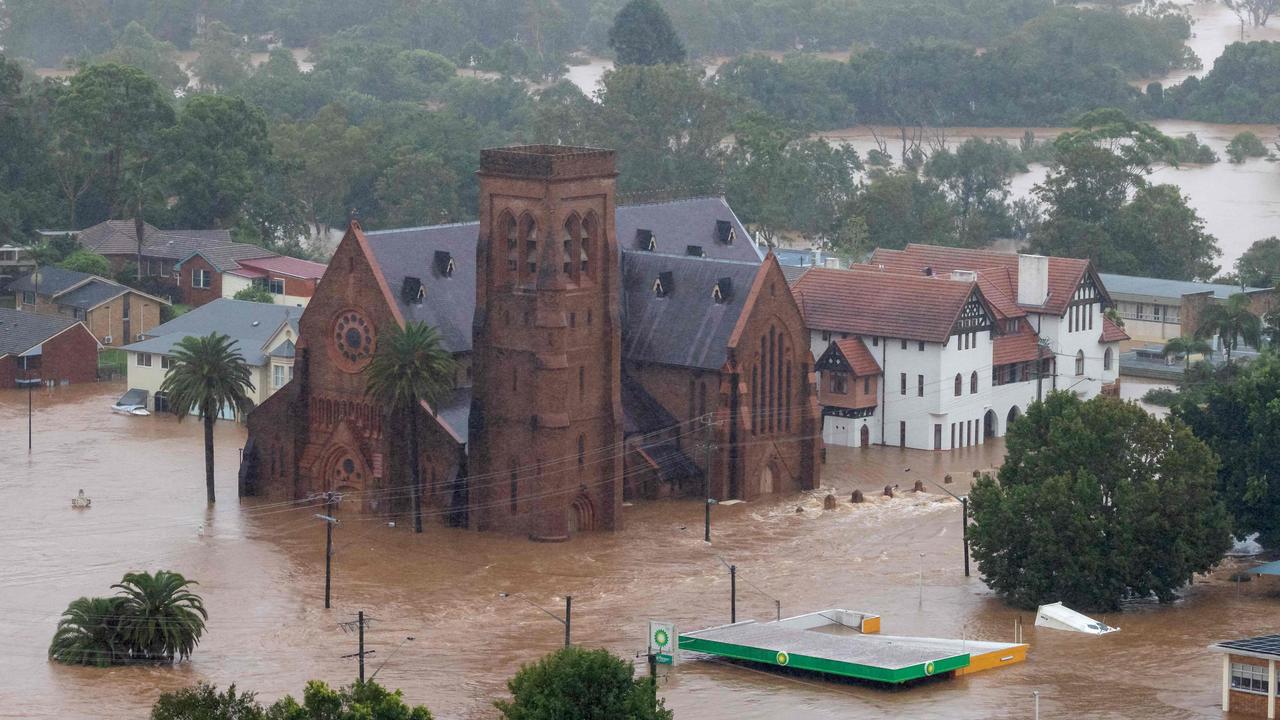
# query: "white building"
{"points": [[264, 334], [959, 341]]}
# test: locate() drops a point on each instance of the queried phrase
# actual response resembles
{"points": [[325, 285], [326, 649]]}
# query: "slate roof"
{"points": [[455, 412], [1168, 289], [880, 303], [860, 359], [793, 273], [1111, 332], [91, 294], [53, 280], [70, 288], [284, 350], [641, 412], [116, 237], [227, 257], [21, 331], [250, 324], [999, 271], [1015, 348], [680, 223], [685, 327], [410, 252]]}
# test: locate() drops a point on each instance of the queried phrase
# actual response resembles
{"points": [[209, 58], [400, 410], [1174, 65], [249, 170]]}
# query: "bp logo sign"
{"points": [[663, 642], [661, 638], [783, 658], [928, 668]]}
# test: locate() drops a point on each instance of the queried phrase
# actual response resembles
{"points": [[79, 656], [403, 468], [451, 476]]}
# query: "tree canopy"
{"points": [[580, 684], [642, 34], [1097, 501], [361, 701]]}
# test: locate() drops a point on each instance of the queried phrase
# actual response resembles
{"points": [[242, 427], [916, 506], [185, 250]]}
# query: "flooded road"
{"points": [[260, 567]]}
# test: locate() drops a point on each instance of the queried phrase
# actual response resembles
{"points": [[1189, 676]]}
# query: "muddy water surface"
{"points": [[260, 566]]}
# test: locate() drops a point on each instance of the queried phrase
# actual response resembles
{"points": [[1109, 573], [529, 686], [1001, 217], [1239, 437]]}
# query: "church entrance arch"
{"points": [[582, 514], [345, 471]]}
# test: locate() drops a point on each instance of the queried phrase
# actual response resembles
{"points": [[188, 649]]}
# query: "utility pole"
{"points": [[568, 618], [329, 521], [30, 384], [1039, 369], [360, 619], [921, 581], [733, 593], [360, 623], [964, 518], [706, 532]]}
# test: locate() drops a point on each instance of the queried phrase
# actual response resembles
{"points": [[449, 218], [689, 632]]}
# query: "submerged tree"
{"points": [[208, 376], [1096, 502], [579, 684], [1233, 322], [89, 633], [410, 367]]}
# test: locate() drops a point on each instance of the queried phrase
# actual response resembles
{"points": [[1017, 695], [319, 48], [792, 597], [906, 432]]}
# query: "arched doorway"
{"points": [[582, 514], [989, 424], [1014, 414], [345, 472], [766, 480], [864, 436]]}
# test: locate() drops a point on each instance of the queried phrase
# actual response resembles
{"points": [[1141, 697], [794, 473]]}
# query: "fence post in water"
{"points": [[733, 593], [964, 518], [777, 605]]}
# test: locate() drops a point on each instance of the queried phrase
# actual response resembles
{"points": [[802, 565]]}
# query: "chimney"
{"points": [[1033, 279], [964, 275]]}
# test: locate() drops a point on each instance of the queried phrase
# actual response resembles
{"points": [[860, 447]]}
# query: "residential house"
{"points": [[117, 240], [264, 334], [599, 348], [1155, 310], [960, 342], [223, 272], [116, 314], [15, 261], [51, 349]]}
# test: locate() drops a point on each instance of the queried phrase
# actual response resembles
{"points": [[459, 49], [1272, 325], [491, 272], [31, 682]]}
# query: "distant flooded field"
{"points": [[260, 567]]}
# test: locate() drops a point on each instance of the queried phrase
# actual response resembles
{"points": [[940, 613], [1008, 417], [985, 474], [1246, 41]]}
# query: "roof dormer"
{"points": [[645, 240], [694, 251], [722, 291], [412, 291], [724, 232], [664, 285], [444, 263]]}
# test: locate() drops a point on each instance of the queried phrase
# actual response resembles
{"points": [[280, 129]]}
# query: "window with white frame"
{"points": [[278, 378], [201, 278], [166, 362], [276, 286], [144, 359], [1249, 678], [28, 297], [1079, 363]]}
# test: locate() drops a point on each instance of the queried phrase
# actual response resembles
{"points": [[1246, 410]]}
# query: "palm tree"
{"points": [[160, 618], [1185, 346], [207, 375], [410, 367], [89, 633], [1232, 321]]}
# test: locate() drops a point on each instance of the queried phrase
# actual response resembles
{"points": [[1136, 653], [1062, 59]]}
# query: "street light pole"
{"points": [[567, 620], [964, 518], [706, 473]]}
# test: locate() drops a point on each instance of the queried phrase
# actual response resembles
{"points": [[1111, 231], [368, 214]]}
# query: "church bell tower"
{"points": [[545, 442]]}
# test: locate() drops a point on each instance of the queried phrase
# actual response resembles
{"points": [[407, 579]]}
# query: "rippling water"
{"points": [[261, 566]]}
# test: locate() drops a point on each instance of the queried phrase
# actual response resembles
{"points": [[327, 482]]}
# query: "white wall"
{"points": [[151, 378], [232, 284]]}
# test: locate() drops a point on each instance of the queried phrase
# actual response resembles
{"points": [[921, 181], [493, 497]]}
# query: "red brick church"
{"points": [[599, 348]]}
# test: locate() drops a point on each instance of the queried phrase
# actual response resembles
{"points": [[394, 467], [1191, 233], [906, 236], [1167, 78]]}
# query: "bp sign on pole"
{"points": [[664, 644]]}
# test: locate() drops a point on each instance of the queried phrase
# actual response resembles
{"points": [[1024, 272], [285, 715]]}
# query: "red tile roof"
{"points": [[282, 265], [1016, 348], [999, 271], [860, 358], [1111, 332], [883, 304]]}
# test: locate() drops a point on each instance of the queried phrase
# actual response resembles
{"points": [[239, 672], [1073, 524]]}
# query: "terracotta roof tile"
{"points": [[860, 358], [884, 304], [1111, 332], [1015, 348]]}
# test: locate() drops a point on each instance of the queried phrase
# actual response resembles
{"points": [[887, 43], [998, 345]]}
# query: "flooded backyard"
{"points": [[260, 567]]}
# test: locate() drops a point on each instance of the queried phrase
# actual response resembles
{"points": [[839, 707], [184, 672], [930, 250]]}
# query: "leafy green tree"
{"points": [[579, 684], [899, 207], [138, 48], [976, 179], [255, 293], [89, 633], [642, 34], [409, 368], [219, 154], [327, 157], [360, 701], [160, 618], [222, 60], [1259, 266], [1157, 232], [87, 261], [1233, 322], [204, 702], [1081, 511], [1245, 145], [1238, 418], [1186, 347], [208, 375]]}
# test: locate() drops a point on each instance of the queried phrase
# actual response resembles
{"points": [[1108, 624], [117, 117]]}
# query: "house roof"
{"points": [[883, 304], [250, 324], [1111, 332], [21, 331], [224, 258], [1172, 290], [642, 414], [859, 357], [411, 252], [50, 281], [91, 294], [1015, 348], [117, 237], [684, 325], [283, 265], [1265, 646], [793, 273], [75, 289], [999, 272], [677, 224], [284, 350]]}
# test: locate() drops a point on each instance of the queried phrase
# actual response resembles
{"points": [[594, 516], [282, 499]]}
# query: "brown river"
{"points": [[260, 567]]}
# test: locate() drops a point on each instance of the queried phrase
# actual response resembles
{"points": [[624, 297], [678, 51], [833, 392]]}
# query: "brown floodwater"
{"points": [[260, 566]]}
